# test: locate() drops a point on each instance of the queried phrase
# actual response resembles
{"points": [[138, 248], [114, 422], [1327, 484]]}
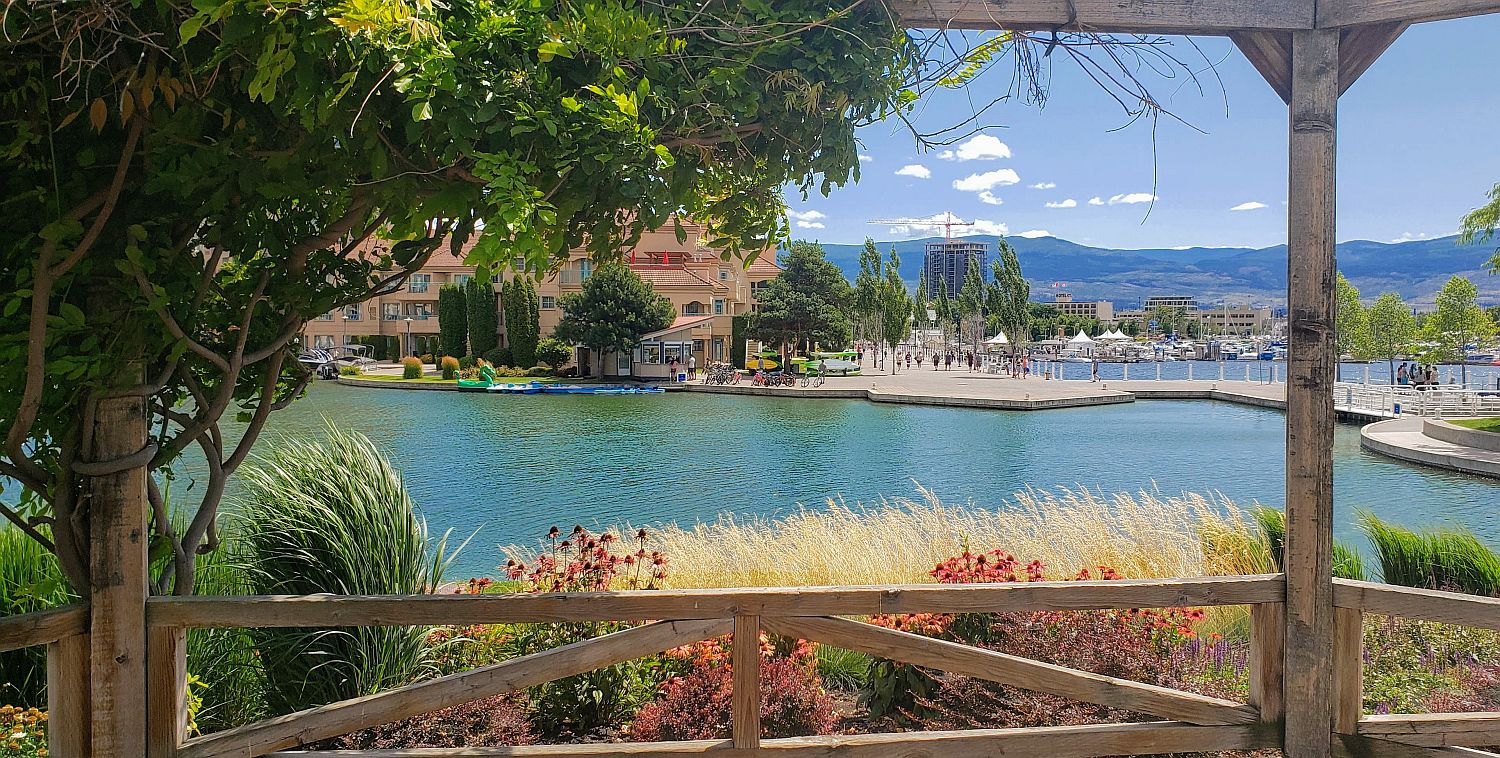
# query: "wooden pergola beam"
{"points": [[1336, 13], [1271, 54], [1361, 46], [1200, 17]]}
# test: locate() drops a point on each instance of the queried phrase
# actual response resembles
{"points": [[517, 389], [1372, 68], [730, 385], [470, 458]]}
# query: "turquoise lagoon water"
{"points": [[511, 466]]}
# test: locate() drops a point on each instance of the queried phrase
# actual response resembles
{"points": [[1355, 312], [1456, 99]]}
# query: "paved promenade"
{"points": [[979, 390], [1409, 439]]}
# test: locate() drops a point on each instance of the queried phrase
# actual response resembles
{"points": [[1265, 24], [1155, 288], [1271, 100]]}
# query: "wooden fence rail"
{"points": [[677, 617]]}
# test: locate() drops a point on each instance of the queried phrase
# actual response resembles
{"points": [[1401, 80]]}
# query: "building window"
{"points": [[651, 352], [723, 274], [585, 269], [462, 278], [622, 364], [672, 352], [391, 311], [419, 311], [718, 306], [548, 302], [326, 317], [322, 341], [351, 312], [718, 349], [694, 308], [419, 282]]}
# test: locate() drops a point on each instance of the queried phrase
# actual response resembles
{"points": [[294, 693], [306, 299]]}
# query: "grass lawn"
{"points": [[1481, 424]]}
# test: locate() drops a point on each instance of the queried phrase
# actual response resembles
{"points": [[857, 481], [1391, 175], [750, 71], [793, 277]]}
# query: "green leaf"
{"points": [[547, 50], [71, 313], [189, 28], [421, 111]]}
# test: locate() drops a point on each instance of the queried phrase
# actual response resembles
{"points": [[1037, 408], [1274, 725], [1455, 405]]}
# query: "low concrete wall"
{"points": [[1439, 429], [1374, 437]]}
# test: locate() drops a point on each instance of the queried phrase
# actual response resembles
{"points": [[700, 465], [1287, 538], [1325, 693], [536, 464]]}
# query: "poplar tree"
{"points": [[1350, 321], [453, 321], [895, 305], [483, 316], [1009, 297]]}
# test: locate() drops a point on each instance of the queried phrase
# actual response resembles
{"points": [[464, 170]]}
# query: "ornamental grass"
{"points": [[1146, 534]]}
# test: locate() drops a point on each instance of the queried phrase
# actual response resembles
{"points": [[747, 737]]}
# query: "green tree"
{"points": [[1480, 225], [553, 353], [806, 303], [1457, 322], [1009, 297], [453, 321], [868, 297], [895, 306], [483, 314], [1351, 321], [615, 308], [944, 311], [971, 304], [187, 184], [522, 320], [1390, 328]]}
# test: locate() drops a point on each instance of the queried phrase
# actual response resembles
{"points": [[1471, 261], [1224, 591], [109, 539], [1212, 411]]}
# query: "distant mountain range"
{"points": [[1414, 269]]}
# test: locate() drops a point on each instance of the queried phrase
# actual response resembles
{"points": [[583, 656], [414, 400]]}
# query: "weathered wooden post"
{"points": [[1311, 362], [118, 577]]}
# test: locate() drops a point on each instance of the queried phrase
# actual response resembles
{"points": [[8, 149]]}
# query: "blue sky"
{"points": [[1419, 145]]}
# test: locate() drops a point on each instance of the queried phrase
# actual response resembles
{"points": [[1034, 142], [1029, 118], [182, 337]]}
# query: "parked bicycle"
{"points": [[721, 373]]}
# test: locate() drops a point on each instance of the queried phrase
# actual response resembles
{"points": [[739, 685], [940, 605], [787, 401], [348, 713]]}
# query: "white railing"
{"points": [[1437, 401]]}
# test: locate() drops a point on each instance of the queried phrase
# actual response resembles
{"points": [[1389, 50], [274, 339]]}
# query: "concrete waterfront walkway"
{"points": [[1410, 439], [978, 390]]}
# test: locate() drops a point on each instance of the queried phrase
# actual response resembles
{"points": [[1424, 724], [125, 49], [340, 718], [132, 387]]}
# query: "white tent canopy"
{"points": [[1081, 339], [1113, 334], [998, 339]]}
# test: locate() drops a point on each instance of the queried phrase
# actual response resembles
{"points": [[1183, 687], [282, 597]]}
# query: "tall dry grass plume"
{"points": [[1142, 535]]}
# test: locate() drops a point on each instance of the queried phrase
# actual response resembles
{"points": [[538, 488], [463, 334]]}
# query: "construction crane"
{"points": [[948, 223]]}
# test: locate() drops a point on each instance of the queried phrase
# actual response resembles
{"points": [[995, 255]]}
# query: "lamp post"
{"points": [[344, 331], [409, 347]]}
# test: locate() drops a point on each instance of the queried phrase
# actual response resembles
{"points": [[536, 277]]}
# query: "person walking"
{"points": [[692, 367], [948, 362]]}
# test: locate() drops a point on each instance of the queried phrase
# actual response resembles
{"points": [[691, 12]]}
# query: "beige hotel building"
{"points": [[706, 291]]}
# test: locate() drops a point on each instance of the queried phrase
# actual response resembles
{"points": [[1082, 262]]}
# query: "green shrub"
{"points": [[350, 371], [1447, 558], [334, 516], [225, 662], [553, 352], [468, 361], [500, 356], [539, 371], [429, 359], [449, 367], [30, 580], [411, 368], [1347, 562], [842, 669]]}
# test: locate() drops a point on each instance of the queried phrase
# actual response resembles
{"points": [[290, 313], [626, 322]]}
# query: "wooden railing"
{"points": [[65, 633], [1190, 722]]}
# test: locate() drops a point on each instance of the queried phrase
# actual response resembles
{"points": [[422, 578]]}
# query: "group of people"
{"points": [[1413, 375], [943, 360]]}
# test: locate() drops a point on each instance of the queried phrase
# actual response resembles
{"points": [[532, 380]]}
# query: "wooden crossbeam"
{"points": [[1435, 729], [1204, 17], [1013, 670], [1271, 54], [1410, 602], [1332, 13], [1052, 741], [1361, 46], [347, 716], [263, 611]]}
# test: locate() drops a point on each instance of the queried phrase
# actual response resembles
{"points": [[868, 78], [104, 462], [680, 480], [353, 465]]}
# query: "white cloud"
{"points": [[1001, 177], [983, 226], [806, 215], [915, 169], [1131, 198], [1253, 205], [1096, 200], [809, 224], [1069, 203], [989, 198], [933, 225], [982, 147], [865, 158], [1032, 234], [1043, 185], [1411, 237]]}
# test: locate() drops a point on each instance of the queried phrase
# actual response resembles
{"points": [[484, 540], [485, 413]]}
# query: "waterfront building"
{"points": [[947, 263], [1100, 310], [689, 274], [1185, 302], [1237, 320]]}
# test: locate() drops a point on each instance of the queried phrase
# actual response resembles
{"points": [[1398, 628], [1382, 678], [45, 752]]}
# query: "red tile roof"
{"points": [[674, 277], [764, 265]]}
